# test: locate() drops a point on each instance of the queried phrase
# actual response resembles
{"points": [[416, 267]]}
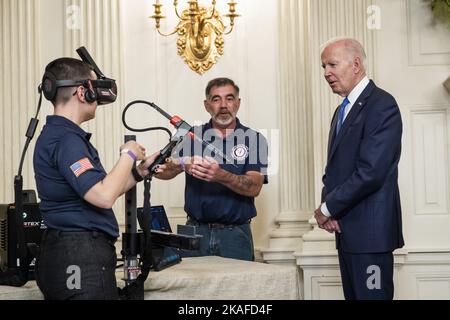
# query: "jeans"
{"points": [[228, 241], [77, 265]]}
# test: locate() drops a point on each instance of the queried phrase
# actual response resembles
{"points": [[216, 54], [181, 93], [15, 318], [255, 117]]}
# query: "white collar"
{"points": [[356, 92]]}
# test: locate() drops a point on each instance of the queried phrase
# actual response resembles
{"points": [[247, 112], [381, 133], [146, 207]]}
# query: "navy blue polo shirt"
{"points": [[211, 201], [66, 166]]}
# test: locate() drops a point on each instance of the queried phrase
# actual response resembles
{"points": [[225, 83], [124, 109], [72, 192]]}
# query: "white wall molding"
{"points": [[427, 40], [325, 288], [322, 279], [425, 275], [428, 257], [431, 187]]}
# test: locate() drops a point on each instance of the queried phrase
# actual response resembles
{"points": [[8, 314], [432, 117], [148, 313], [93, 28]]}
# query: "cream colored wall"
{"points": [[414, 72]]}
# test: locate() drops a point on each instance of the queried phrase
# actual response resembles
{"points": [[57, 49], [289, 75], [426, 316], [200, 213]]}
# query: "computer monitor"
{"points": [[159, 218]]}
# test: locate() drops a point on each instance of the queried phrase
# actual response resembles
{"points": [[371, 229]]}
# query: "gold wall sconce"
{"points": [[200, 32]]}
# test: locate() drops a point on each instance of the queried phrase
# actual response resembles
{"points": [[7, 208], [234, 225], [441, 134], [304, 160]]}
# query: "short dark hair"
{"points": [[220, 82], [67, 69]]}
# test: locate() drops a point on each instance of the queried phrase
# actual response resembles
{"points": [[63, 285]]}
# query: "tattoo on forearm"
{"points": [[245, 182]]}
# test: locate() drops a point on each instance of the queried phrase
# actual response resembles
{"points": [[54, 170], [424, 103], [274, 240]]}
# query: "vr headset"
{"points": [[103, 90]]}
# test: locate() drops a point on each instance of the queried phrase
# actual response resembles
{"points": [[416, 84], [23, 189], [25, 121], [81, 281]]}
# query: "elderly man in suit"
{"points": [[360, 196]]}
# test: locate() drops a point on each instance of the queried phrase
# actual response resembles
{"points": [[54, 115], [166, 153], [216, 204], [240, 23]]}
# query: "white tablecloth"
{"points": [[29, 291], [202, 278], [211, 278]]}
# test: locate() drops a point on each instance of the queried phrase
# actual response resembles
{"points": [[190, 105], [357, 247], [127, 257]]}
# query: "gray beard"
{"points": [[223, 122]]}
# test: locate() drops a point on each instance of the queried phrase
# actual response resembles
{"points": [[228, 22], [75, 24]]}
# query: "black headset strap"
{"points": [[101, 83], [68, 83]]}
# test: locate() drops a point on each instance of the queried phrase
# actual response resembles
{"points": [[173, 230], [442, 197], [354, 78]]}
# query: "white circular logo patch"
{"points": [[239, 152]]}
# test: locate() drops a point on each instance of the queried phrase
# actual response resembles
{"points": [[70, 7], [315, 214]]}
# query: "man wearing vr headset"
{"points": [[77, 259]]}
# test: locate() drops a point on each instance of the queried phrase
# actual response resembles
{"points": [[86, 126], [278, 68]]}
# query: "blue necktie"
{"points": [[341, 114]]}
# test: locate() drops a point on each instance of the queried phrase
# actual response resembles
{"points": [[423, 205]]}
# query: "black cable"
{"points": [[154, 106], [19, 276], [40, 100], [30, 132], [22, 159]]}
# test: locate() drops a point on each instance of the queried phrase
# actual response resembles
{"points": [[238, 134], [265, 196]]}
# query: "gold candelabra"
{"points": [[200, 32]]}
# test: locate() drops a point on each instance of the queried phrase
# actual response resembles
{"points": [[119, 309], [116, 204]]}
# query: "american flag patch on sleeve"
{"points": [[81, 166]]}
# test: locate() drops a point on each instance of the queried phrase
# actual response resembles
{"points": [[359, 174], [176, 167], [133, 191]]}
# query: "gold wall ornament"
{"points": [[200, 32]]}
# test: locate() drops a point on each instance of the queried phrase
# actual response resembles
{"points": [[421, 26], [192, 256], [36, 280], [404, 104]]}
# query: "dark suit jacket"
{"points": [[360, 181]]}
